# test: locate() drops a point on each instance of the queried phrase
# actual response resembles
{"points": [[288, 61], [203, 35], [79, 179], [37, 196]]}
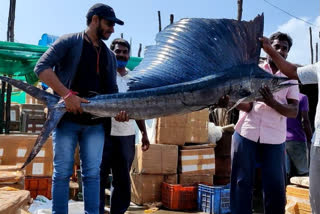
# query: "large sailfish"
{"points": [[194, 62]]}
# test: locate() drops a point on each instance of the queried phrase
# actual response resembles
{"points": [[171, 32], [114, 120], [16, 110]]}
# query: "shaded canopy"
{"points": [[18, 60]]}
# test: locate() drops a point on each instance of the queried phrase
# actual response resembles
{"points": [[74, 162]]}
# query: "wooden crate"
{"points": [[30, 125], [14, 112]]}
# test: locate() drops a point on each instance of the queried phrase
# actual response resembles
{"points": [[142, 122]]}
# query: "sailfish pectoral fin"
{"points": [[54, 116], [237, 103]]}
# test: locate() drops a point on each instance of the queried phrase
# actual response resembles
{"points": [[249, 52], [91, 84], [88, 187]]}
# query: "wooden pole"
{"points": [[317, 52], [11, 18], [2, 93], [171, 18], [10, 38], [240, 3], [130, 46], [311, 48], [159, 18], [139, 51]]}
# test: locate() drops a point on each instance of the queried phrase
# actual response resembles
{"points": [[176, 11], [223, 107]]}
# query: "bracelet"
{"points": [[70, 92]]}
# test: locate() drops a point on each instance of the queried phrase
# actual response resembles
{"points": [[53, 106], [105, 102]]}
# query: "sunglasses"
{"points": [[110, 23]]}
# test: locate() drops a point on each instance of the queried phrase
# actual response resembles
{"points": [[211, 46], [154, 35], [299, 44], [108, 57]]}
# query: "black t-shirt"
{"points": [[89, 80]]}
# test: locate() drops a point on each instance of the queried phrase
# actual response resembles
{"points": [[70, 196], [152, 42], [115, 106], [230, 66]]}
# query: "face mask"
{"points": [[121, 64]]}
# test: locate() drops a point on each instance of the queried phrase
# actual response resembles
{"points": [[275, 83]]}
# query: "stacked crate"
{"points": [[32, 117], [14, 117], [214, 199]]}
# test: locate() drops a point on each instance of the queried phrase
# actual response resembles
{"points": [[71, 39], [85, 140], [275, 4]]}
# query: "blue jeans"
{"points": [[244, 154], [118, 154], [65, 138]]}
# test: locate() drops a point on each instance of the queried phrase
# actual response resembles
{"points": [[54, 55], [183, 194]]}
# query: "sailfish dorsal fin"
{"points": [[195, 47]]}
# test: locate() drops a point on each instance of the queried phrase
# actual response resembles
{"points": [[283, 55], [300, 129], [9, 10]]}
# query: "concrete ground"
{"points": [[134, 209]]}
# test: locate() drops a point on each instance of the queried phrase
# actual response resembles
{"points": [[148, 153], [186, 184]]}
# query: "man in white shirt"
{"points": [[309, 74], [119, 147]]}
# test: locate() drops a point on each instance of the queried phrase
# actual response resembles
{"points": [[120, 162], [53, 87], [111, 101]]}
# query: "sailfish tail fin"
{"points": [[55, 113], [52, 121]]}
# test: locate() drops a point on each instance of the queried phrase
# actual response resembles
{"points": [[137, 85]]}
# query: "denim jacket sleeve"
{"points": [[54, 54]]}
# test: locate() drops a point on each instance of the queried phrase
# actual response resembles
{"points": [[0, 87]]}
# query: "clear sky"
{"points": [[57, 17]]}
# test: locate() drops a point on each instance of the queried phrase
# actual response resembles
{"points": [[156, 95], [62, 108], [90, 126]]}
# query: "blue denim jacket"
{"points": [[64, 56]]}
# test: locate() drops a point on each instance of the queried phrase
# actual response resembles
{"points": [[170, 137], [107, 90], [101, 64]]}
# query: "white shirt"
{"points": [[310, 74], [122, 128]]}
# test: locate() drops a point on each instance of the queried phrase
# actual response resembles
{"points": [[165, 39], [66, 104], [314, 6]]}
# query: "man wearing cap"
{"points": [[80, 65]]}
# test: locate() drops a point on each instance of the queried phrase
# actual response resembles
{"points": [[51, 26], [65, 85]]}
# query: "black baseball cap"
{"points": [[104, 11]]}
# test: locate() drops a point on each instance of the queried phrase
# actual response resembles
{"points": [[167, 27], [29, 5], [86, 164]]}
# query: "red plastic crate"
{"points": [[178, 197], [38, 186]]}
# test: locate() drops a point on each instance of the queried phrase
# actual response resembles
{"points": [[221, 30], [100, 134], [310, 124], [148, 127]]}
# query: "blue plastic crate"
{"points": [[214, 199]]}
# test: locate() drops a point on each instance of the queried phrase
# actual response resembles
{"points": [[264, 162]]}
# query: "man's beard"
{"points": [[100, 33]]}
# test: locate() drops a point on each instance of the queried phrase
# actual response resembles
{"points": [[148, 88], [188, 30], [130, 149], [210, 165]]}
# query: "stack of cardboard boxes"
{"points": [[171, 162], [150, 169], [14, 150]]}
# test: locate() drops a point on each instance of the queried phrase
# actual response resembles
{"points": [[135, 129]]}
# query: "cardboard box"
{"points": [[147, 188], [158, 159], [178, 129], [191, 179], [14, 149], [197, 161]]}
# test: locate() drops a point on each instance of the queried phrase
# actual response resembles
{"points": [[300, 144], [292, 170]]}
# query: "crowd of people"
{"points": [[273, 132]]}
